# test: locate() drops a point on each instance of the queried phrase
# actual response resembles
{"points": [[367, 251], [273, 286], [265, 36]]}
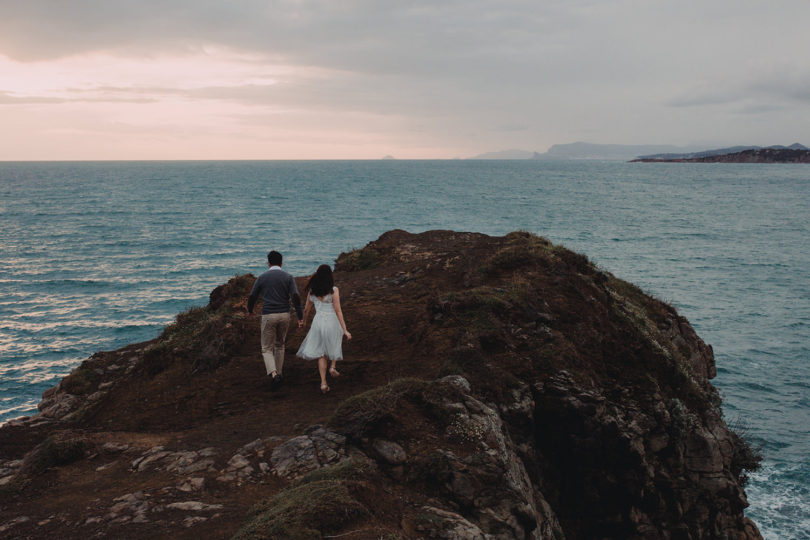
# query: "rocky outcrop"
{"points": [[662, 471], [315, 449], [495, 388]]}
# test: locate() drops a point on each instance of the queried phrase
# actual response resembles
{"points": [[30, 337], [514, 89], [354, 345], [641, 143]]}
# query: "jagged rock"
{"points": [[238, 462], [9, 470], [306, 453], [189, 463], [628, 440], [226, 478], [193, 520], [58, 405], [155, 454], [180, 463], [493, 480], [703, 453], [114, 447], [194, 506], [192, 484], [329, 446], [458, 382], [129, 507], [390, 452], [240, 466], [295, 457], [16, 521], [437, 523]]}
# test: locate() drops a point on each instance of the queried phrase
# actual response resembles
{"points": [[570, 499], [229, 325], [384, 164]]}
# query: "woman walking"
{"points": [[324, 339]]}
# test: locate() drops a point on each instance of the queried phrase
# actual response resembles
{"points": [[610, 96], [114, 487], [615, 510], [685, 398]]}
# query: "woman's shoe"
{"points": [[333, 372], [324, 388]]}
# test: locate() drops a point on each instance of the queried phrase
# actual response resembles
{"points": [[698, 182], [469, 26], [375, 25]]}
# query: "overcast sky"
{"points": [[298, 79]]}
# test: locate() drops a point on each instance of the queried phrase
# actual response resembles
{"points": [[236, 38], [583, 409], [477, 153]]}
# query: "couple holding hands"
{"points": [[324, 340]]}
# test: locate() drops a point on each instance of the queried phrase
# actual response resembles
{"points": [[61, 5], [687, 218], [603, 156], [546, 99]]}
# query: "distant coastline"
{"points": [[756, 155], [795, 153], [587, 151]]}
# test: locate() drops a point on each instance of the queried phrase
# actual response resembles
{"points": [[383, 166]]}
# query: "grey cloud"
{"points": [[54, 29], [787, 83], [762, 108], [574, 68], [349, 93], [7, 98], [477, 46], [470, 40], [704, 98], [767, 90], [512, 127]]}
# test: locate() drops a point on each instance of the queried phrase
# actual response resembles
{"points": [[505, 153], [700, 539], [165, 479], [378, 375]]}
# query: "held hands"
{"points": [[301, 324]]}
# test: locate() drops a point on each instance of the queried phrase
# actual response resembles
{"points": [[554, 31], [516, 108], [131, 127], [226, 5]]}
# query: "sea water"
{"points": [[96, 255]]}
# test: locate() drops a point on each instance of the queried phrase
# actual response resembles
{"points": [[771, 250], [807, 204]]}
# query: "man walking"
{"points": [[277, 288]]}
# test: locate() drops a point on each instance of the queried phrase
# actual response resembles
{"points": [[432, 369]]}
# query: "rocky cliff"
{"points": [[495, 388]]}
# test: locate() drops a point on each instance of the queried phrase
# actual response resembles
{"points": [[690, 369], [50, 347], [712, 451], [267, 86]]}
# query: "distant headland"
{"points": [[795, 153], [586, 151]]}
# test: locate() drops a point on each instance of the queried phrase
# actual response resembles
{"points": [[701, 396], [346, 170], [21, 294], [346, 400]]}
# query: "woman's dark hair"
{"points": [[321, 282]]}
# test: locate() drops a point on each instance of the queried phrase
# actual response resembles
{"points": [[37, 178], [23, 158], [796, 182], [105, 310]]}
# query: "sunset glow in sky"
{"points": [[359, 79]]}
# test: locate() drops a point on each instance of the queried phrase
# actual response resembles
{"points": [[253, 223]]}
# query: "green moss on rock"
{"points": [[81, 381], [304, 511], [359, 259], [358, 413]]}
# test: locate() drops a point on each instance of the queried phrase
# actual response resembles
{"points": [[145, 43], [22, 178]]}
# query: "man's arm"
{"points": [[254, 294], [298, 311], [296, 300]]}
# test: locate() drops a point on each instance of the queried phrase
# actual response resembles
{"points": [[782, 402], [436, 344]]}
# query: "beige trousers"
{"points": [[274, 334]]}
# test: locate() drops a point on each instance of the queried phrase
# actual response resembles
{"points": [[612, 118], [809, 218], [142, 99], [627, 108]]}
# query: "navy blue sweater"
{"points": [[277, 288]]}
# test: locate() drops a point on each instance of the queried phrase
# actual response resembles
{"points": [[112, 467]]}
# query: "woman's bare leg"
{"points": [[322, 371]]}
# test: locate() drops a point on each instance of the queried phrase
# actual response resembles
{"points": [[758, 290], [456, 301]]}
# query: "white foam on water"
{"points": [[779, 499]]}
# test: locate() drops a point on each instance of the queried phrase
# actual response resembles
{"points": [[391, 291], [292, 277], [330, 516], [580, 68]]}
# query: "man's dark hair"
{"points": [[274, 258]]}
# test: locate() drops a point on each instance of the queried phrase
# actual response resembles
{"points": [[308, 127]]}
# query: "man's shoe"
{"points": [[275, 380]]}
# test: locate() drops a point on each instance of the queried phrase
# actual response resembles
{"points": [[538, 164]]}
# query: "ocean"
{"points": [[96, 255]]}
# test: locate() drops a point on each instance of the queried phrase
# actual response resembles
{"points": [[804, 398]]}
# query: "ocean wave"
{"points": [[24, 408], [797, 383], [780, 500], [76, 283], [29, 327], [46, 376], [757, 387]]}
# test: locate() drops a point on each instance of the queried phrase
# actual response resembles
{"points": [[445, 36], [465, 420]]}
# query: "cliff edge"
{"points": [[496, 387]]}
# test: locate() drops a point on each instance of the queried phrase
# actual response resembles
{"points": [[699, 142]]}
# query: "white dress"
{"points": [[325, 337]]}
